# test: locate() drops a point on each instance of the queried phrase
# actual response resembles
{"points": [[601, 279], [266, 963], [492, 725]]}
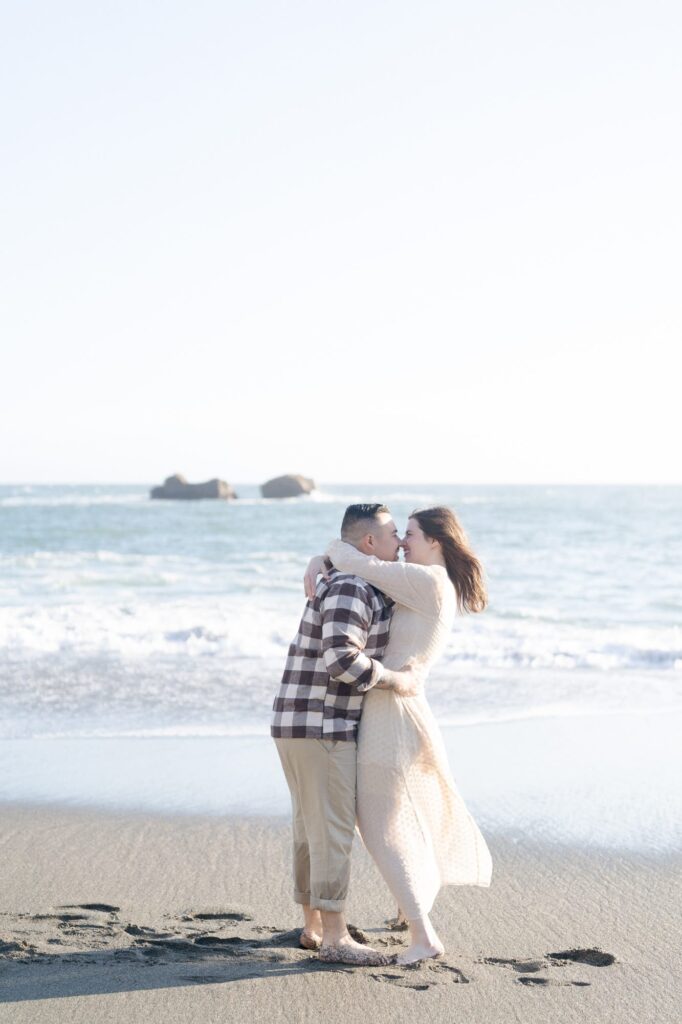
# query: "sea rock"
{"points": [[288, 486], [177, 487]]}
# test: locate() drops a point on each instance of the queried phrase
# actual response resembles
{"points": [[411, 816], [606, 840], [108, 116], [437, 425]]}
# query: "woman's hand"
{"points": [[316, 565], [407, 681]]}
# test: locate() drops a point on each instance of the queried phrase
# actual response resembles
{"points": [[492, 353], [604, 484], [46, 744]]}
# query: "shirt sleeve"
{"points": [[413, 586], [346, 612]]}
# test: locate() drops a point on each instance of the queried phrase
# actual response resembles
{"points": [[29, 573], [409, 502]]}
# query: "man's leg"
{"points": [[312, 923], [322, 777], [328, 809], [311, 936]]}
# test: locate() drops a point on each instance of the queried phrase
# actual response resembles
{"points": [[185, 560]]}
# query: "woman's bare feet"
{"points": [[424, 943], [420, 951]]}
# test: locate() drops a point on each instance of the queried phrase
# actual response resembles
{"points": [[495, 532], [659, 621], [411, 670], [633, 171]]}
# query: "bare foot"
{"points": [[347, 951], [310, 940], [420, 951]]}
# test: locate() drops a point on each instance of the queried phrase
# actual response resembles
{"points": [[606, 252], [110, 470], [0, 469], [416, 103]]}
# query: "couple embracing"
{"points": [[356, 737]]}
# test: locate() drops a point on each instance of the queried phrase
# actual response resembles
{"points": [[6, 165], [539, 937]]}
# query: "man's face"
{"points": [[383, 541]]}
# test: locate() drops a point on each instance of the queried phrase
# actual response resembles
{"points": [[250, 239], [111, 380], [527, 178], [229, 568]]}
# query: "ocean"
{"points": [[123, 618]]}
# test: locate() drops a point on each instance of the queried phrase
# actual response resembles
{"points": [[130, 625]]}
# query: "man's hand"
{"points": [[316, 565], [406, 682]]}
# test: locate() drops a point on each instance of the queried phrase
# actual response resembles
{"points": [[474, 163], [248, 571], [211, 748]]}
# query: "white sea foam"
{"points": [[72, 500], [115, 620], [260, 623]]}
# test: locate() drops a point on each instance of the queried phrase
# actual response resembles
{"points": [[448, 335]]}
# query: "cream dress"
{"points": [[410, 815]]}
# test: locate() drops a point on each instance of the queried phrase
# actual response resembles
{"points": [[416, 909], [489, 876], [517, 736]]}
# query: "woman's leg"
{"points": [[395, 841], [424, 942]]}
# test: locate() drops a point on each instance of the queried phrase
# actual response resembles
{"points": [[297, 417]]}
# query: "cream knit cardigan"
{"points": [[411, 816]]}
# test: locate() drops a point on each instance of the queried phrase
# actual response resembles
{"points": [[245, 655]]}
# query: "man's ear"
{"points": [[366, 545]]}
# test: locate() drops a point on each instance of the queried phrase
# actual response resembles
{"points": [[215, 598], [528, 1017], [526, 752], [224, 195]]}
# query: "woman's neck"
{"points": [[435, 558]]}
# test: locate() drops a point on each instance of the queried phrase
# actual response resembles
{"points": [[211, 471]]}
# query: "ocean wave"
{"points": [[110, 577], [256, 623], [315, 497], [111, 619], [75, 500], [196, 681]]}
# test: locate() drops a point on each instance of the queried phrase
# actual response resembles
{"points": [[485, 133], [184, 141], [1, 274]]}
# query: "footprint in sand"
{"points": [[421, 976], [400, 981], [61, 927], [389, 940], [65, 918], [201, 936], [521, 966], [229, 917], [594, 957], [103, 908], [550, 981]]}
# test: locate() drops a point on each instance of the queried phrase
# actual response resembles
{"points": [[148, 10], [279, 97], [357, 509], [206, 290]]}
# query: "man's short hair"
{"points": [[359, 519]]}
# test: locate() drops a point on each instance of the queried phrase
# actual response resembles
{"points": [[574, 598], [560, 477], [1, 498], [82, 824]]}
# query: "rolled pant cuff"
{"points": [[334, 905], [302, 897]]}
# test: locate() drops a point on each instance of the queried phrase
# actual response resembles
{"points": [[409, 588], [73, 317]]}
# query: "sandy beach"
{"points": [[114, 917], [144, 815]]}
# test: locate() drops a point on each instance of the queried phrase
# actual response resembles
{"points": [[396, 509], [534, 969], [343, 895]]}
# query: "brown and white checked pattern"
{"points": [[332, 660]]}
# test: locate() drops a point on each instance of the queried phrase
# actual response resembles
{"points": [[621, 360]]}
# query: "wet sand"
{"points": [[124, 917]]}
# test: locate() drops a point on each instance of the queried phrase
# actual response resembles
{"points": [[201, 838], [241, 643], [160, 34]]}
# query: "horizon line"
{"points": [[359, 483]]}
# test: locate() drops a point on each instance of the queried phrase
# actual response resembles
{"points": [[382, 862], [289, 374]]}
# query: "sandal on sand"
{"points": [[356, 957], [305, 942]]}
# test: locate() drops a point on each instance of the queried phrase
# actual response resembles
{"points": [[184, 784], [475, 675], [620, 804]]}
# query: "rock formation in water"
{"points": [[177, 487], [288, 486]]}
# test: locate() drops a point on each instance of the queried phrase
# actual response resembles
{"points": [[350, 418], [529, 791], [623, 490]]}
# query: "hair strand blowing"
{"points": [[464, 569]]}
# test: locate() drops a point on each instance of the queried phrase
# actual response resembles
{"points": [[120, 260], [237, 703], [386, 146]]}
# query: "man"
{"points": [[333, 660]]}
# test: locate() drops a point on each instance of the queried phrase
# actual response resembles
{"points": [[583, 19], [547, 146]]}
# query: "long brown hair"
{"points": [[464, 569]]}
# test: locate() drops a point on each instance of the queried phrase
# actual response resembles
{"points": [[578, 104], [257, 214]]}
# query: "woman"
{"points": [[411, 817]]}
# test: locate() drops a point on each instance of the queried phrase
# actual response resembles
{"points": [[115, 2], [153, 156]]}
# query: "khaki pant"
{"points": [[321, 775]]}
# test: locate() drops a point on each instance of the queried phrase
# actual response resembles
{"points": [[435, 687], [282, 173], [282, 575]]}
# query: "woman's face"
{"points": [[416, 546]]}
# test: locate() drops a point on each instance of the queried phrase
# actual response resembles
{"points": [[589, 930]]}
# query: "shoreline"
{"points": [[120, 908], [513, 839], [603, 781]]}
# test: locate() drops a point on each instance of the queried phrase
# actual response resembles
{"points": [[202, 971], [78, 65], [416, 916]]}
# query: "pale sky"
{"points": [[417, 242]]}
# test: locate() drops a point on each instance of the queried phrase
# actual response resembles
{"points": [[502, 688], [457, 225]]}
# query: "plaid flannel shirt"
{"points": [[332, 660]]}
